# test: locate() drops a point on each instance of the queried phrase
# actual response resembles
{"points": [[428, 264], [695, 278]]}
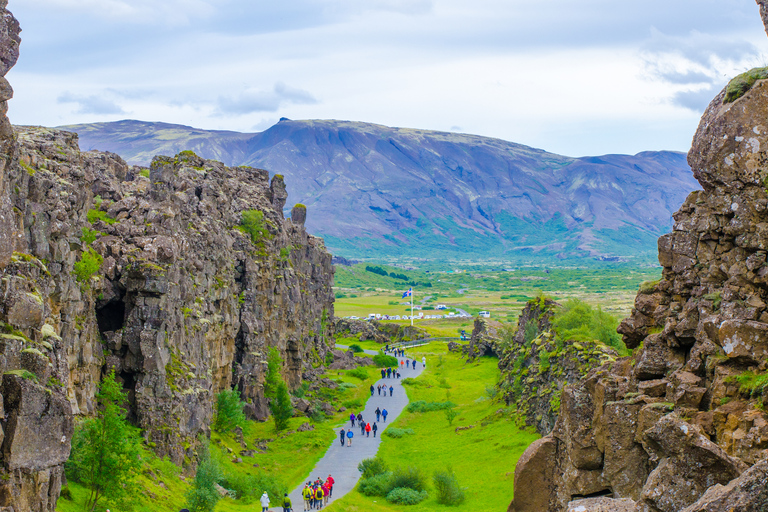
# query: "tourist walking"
{"points": [[378, 414], [350, 435], [391, 390], [342, 437], [367, 430], [383, 373], [384, 414], [330, 482], [374, 428], [306, 493], [389, 372], [378, 389], [264, 502], [371, 389], [286, 503], [352, 419], [359, 417], [319, 494], [424, 362]]}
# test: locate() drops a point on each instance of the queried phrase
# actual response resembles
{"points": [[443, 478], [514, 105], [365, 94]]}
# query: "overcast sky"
{"points": [[576, 77]]}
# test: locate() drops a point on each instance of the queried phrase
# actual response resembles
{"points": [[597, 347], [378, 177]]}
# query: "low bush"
{"points": [[422, 406], [253, 223], [385, 361], [447, 488], [372, 467], [397, 433], [358, 373], [248, 488], [577, 321], [353, 404], [356, 348], [410, 477], [378, 485], [742, 83], [405, 496], [90, 263], [409, 381]]}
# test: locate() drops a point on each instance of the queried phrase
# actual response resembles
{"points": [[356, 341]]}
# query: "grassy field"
{"points": [[483, 453], [502, 292]]}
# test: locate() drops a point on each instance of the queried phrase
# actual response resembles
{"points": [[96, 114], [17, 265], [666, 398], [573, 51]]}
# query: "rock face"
{"points": [[699, 329], [535, 364], [179, 277], [380, 332]]}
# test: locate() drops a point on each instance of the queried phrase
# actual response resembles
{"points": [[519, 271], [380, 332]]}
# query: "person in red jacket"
{"points": [[330, 481], [367, 430]]}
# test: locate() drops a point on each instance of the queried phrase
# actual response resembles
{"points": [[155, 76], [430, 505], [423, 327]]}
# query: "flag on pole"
{"points": [[408, 293]]}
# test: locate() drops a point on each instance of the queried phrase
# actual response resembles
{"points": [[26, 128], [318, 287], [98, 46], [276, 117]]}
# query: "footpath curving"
{"points": [[341, 461]]}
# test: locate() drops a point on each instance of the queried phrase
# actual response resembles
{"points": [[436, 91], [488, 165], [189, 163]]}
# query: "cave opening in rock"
{"points": [[111, 316], [605, 493], [129, 385]]}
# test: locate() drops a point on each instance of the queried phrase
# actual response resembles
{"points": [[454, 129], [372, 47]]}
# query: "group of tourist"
{"points": [[316, 493]]}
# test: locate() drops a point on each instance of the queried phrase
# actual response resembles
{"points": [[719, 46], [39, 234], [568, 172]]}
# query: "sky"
{"points": [[574, 77]]}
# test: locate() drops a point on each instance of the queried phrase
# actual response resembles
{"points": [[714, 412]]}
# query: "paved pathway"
{"points": [[341, 462]]}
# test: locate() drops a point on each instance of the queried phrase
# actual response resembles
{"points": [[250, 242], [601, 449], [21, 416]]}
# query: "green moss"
{"points": [[742, 83], [30, 170], [253, 223], [24, 374], [647, 287], [89, 264], [716, 299], [144, 172]]}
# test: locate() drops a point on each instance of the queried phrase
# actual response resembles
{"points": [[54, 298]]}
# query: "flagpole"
{"points": [[411, 307]]}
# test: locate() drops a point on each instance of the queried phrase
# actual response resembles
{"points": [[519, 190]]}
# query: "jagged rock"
{"points": [[485, 338], [747, 493], [247, 453], [301, 405], [687, 465], [601, 505], [299, 214], [305, 427]]}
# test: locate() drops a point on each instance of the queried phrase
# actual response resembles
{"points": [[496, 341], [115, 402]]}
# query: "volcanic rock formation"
{"points": [[179, 277], [680, 422]]}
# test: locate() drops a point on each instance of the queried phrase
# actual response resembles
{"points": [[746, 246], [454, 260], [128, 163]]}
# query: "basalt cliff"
{"points": [[681, 425], [154, 273]]}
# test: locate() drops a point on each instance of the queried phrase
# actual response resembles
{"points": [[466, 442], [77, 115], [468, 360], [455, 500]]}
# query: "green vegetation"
{"points": [[422, 406], [276, 391], [356, 348], [447, 488], [254, 224], [372, 467], [578, 321], [752, 384], [144, 172], [742, 83], [397, 433], [203, 496], [105, 451], [358, 373], [89, 235], [97, 215], [229, 411], [385, 361], [89, 264]]}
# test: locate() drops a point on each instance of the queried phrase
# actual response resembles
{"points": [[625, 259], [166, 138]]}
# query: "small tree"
{"points": [[203, 496], [450, 415], [273, 377], [229, 411], [281, 407], [105, 449]]}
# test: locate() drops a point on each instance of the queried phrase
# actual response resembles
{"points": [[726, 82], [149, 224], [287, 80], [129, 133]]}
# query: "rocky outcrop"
{"points": [[179, 277], [700, 347], [536, 363], [486, 335], [380, 332]]}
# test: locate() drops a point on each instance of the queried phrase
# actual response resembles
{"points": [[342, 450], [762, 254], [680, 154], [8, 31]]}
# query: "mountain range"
{"points": [[375, 191]]}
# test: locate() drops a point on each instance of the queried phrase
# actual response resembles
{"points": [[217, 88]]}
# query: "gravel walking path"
{"points": [[341, 461]]}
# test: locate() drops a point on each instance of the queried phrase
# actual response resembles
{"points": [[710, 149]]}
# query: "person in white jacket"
{"points": [[264, 502]]}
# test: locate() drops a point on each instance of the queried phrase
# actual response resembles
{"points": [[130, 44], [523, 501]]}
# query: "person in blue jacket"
{"points": [[350, 435]]}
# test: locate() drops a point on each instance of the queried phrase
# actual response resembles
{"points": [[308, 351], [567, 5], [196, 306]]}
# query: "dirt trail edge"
{"points": [[341, 461]]}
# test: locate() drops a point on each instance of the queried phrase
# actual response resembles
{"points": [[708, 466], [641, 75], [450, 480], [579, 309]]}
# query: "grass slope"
{"points": [[483, 456]]}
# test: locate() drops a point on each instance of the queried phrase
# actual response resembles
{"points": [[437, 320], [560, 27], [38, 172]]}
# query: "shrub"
{"points": [[248, 488], [96, 215], [328, 358], [90, 263], [358, 373], [372, 467], [229, 411], [300, 391], [577, 321], [410, 477], [450, 415], [378, 485], [385, 361], [252, 223], [422, 406], [405, 496], [353, 404], [89, 235], [447, 488], [356, 348], [397, 433], [409, 381]]}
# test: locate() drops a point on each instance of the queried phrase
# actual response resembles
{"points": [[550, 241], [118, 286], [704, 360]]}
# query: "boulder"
{"points": [[687, 465], [747, 493], [534, 477]]}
